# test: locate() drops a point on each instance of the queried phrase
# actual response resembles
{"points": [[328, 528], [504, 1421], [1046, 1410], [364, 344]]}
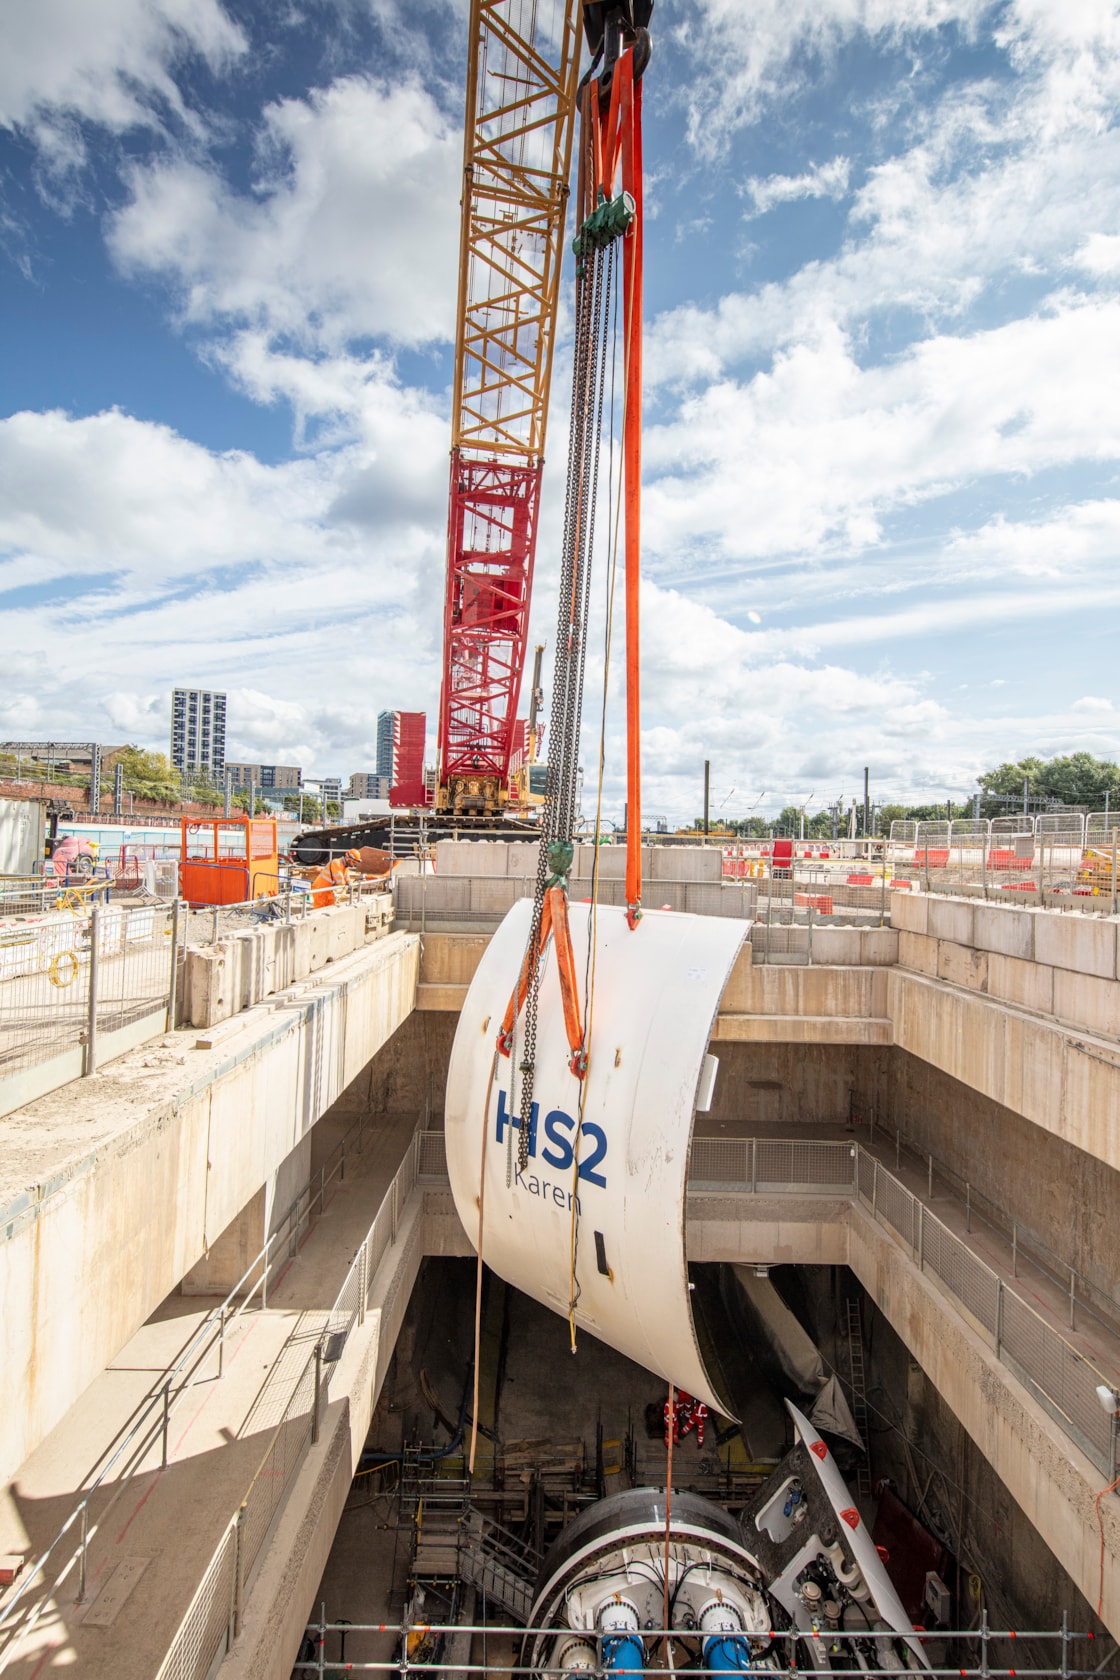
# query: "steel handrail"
{"points": [[234, 1527], [390, 1203], [217, 1320]]}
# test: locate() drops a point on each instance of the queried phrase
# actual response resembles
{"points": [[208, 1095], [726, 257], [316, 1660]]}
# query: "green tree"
{"points": [[1080, 779], [1070, 779], [148, 775], [308, 803]]}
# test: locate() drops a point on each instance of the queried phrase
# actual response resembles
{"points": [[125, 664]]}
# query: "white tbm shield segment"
{"points": [[608, 1189]]}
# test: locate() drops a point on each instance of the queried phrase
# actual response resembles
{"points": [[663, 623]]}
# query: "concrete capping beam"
{"points": [[801, 1029], [1079, 943], [1086, 1001]]}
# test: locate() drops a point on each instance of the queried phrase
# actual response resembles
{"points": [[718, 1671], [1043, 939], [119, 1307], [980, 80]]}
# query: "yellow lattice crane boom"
{"points": [[521, 99]]}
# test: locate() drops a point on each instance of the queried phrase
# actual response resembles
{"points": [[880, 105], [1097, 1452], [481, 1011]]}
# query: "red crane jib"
{"points": [[492, 528]]}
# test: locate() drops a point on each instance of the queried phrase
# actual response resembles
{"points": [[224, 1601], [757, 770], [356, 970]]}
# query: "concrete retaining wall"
{"points": [[1067, 1083], [842, 1005], [451, 899], [497, 858], [1048, 1476], [134, 1172]]}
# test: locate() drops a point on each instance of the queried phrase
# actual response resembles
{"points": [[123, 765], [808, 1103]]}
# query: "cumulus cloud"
{"points": [[112, 64], [814, 452], [966, 186], [143, 561], [821, 180], [349, 231]]}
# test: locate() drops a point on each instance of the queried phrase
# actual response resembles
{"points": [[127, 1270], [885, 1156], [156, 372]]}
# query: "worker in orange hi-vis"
{"points": [[367, 861], [323, 887]]}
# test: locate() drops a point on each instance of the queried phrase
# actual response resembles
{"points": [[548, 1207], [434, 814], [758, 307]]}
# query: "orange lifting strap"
{"points": [[554, 923], [621, 145]]}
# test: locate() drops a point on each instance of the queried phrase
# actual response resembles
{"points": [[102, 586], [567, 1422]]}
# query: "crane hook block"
{"points": [[560, 856], [609, 221]]}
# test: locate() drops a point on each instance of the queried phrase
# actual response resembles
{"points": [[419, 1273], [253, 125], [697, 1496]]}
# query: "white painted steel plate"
{"points": [[856, 1537], [656, 994]]}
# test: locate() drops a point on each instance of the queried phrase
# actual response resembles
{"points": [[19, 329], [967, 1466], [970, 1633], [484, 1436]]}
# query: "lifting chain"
{"points": [[596, 277]]}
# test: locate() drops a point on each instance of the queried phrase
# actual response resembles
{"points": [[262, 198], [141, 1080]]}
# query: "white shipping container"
{"points": [[23, 827]]}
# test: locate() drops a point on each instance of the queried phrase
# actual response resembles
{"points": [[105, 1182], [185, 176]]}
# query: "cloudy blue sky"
{"points": [[882, 424]]}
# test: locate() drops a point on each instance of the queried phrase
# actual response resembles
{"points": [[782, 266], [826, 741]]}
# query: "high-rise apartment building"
{"points": [[400, 755], [198, 731], [384, 766]]}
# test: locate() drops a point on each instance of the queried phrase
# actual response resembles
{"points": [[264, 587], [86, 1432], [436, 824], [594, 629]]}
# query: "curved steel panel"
{"points": [[653, 1004]]}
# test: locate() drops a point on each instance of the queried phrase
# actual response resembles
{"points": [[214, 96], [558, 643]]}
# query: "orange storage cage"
{"points": [[228, 860]]}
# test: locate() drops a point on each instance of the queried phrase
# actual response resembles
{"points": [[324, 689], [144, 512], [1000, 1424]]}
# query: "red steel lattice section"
{"points": [[491, 532]]}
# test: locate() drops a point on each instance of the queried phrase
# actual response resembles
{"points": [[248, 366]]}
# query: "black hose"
{"points": [[371, 1457]]}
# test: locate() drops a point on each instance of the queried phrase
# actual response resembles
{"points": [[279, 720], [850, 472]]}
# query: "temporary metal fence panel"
{"points": [[350, 1301], [51, 992], [1102, 826], [803, 1165], [895, 1206], [431, 1155], [867, 1169], [1060, 859], [134, 951], [721, 1161]]}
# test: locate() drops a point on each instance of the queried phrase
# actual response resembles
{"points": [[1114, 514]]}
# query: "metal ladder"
{"points": [[859, 1394]]}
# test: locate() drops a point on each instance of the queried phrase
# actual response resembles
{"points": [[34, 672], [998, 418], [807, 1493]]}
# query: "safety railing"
{"points": [[984, 1652], [1063, 859], [1061, 1378], [213, 1618], [147, 1432], [287, 901], [74, 976], [1083, 1294]]}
